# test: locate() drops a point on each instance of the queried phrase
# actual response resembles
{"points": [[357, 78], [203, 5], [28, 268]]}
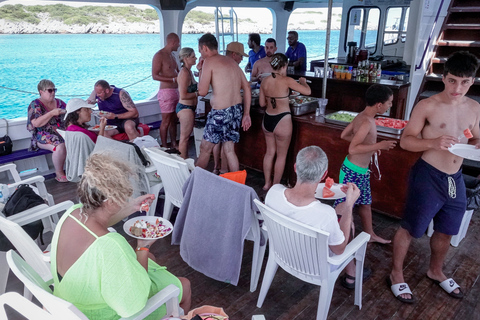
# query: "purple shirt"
{"points": [[293, 54]]}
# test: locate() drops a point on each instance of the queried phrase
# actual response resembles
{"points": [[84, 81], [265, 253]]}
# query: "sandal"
{"points": [[449, 286], [367, 272], [400, 288], [61, 179]]}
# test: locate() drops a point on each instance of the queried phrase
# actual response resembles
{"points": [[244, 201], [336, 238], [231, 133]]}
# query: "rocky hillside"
{"points": [[19, 19]]}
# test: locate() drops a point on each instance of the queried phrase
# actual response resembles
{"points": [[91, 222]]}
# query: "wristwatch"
{"points": [[145, 248]]}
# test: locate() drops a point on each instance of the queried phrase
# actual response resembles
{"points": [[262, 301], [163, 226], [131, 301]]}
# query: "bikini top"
{"points": [[273, 100], [193, 84]]}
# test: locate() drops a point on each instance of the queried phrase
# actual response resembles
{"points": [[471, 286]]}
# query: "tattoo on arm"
{"points": [[126, 100]]}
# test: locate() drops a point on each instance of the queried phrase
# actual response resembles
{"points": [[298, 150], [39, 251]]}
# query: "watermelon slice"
{"points": [[467, 133], [327, 193], [329, 182]]}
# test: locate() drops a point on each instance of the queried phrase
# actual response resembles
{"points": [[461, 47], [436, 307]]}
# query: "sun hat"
{"points": [[236, 47], [75, 104]]}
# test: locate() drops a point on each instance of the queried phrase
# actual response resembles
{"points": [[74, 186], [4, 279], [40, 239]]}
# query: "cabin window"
{"points": [[395, 25], [363, 23]]}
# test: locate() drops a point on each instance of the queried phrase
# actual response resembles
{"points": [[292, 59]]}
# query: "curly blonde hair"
{"points": [[104, 178]]}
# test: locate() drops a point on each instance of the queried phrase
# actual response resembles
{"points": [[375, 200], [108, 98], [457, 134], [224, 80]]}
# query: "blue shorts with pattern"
{"points": [[224, 124], [350, 173]]}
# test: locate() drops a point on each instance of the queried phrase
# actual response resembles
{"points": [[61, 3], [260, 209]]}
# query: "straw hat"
{"points": [[75, 104], [236, 47]]}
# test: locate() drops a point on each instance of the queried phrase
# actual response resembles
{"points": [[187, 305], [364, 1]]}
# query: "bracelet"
{"points": [[142, 249]]}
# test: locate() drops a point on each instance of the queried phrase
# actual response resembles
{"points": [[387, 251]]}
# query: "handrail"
{"points": [[419, 66]]}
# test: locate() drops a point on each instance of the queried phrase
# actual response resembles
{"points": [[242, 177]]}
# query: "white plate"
{"points": [[339, 194], [467, 151], [100, 113], [151, 219], [107, 127], [294, 93]]}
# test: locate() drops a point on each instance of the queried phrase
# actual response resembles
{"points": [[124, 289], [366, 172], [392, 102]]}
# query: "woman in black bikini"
{"points": [[187, 88], [277, 121]]}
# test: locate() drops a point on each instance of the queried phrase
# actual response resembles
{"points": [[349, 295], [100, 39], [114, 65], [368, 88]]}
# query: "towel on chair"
{"points": [[79, 146], [212, 223]]}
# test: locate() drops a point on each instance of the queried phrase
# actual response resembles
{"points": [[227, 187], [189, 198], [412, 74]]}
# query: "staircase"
{"points": [[460, 32]]}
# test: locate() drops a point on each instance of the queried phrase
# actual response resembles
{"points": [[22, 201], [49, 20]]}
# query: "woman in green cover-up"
{"points": [[97, 270]]}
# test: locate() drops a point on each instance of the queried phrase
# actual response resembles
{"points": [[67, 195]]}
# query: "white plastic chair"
{"points": [[26, 246], [62, 309], [23, 306], [124, 152], [174, 173], [302, 251], [462, 232]]}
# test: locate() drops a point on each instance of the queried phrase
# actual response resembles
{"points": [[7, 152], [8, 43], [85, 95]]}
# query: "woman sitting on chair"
{"points": [[97, 270], [79, 112]]}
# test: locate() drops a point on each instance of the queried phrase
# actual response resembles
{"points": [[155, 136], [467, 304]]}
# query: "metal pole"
{"points": [[327, 47]]}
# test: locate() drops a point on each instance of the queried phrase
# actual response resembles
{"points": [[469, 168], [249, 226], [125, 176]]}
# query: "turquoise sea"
{"points": [[74, 62]]}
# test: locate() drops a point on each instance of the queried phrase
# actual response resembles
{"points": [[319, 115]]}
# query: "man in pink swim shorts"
{"points": [[165, 70]]}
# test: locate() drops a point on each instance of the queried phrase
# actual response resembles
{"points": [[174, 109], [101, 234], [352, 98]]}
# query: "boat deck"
{"points": [[290, 298]]}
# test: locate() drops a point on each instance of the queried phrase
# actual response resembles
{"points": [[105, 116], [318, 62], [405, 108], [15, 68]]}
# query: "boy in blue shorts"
{"points": [[436, 189], [362, 134]]}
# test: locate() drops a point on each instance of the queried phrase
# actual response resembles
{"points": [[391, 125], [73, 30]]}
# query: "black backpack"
{"points": [[22, 199]]}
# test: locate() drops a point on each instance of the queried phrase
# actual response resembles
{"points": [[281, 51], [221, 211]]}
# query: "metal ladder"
{"points": [[225, 26]]}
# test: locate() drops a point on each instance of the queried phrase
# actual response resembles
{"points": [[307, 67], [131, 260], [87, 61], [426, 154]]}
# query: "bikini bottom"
{"points": [[270, 122]]}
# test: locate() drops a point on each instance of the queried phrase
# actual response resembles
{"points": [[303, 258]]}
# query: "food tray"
{"points": [[339, 122], [303, 108], [389, 129]]}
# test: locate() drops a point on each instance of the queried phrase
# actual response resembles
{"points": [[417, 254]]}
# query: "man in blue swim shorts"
{"points": [[436, 187], [227, 115]]}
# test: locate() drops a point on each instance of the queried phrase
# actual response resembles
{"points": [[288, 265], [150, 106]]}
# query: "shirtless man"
{"points": [[436, 187], [225, 118], [118, 104], [262, 66], [362, 134], [165, 70]]}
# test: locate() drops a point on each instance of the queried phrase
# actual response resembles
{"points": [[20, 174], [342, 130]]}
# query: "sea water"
{"points": [[74, 62]]}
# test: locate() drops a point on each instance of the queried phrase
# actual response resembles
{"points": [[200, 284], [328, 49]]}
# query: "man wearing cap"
{"points": [[121, 111], [296, 52], [257, 52], [227, 114], [235, 51], [262, 66]]}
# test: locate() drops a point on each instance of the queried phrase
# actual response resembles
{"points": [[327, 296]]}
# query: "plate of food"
{"points": [[467, 151], [148, 227], [332, 193], [100, 113], [96, 128], [294, 93]]}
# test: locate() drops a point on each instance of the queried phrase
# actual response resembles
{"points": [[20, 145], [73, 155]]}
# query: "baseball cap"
{"points": [[236, 47], [75, 104]]}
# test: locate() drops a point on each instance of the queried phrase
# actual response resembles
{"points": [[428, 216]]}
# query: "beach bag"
{"points": [[22, 199], [6, 144], [139, 152], [206, 313]]}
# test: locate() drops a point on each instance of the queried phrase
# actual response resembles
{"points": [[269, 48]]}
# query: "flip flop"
{"points": [[367, 272], [61, 179], [400, 288], [449, 286]]}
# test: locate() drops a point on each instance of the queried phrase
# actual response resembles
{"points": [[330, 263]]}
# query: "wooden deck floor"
{"points": [[289, 298]]}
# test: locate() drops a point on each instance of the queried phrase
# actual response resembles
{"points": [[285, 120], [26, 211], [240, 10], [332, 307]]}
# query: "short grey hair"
{"points": [[44, 84], [311, 163]]}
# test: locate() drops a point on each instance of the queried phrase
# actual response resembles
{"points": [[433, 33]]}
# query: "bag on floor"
{"points": [[22, 199], [6, 144]]}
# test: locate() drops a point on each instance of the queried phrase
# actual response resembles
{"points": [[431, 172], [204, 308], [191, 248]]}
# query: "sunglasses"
{"points": [[51, 90]]}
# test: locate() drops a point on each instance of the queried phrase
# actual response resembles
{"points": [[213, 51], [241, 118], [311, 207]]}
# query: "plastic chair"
{"points": [[62, 309], [302, 251], [174, 173], [125, 152], [23, 306], [462, 232], [26, 246]]}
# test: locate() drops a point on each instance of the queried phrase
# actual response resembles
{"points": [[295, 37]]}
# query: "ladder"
{"points": [[226, 28]]}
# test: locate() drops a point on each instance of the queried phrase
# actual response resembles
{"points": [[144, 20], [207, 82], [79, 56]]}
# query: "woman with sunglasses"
{"points": [[45, 116]]}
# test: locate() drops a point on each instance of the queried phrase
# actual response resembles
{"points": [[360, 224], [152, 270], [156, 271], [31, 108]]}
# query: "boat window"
{"points": [[395, 25], [363, 23]]}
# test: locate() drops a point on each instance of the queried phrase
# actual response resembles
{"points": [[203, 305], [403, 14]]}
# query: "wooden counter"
{"points": [[388, 194], [350, 95]]}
